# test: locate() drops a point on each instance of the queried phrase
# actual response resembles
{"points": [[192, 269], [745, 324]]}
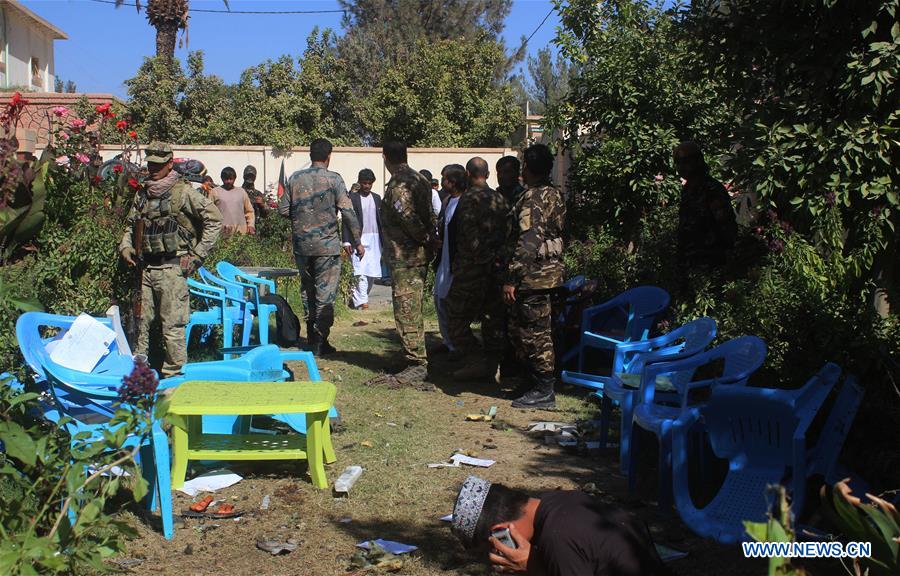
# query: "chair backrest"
{"points": [[752, 427], [228, 270], [741, 357], [34, 346], [834, 433], [687, 340], [633, 311]]}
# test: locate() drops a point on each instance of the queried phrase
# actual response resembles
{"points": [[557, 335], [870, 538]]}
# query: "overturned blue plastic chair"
{"points": [[656, 413], [629, 359], [762, 434], [628, 317], [263, 311], [223, 309]]}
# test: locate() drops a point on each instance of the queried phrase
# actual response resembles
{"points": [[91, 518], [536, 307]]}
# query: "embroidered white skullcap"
{"points": [[467, 509]]}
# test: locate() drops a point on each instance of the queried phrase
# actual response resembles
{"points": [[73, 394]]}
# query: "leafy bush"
{"points": [[52, 512]]}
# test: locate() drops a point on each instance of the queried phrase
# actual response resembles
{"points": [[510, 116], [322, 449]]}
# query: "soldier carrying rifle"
{"points": [[179, 228]]}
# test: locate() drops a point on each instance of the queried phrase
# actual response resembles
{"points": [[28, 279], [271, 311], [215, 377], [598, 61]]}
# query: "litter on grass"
{"points": [[210, 482], [457, 459], [388, 546], [483, 417]]}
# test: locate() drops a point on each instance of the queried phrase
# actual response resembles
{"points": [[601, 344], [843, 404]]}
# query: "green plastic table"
{"points": [[192, 400]]}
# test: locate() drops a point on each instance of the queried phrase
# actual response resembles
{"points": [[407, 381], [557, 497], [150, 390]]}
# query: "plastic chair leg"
{"points": [[246, 328], [315, 449], [227, 334], [149, 472], [187, 334], [605, 413], [163, 482], [625, 430], [664, 497], [632, 451], [263, 329]]}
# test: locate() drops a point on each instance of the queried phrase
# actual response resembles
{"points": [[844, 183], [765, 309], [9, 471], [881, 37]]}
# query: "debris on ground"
{"points": [[347, 479], [210, 482], [360, 323], [275, 548], [483, 416], [500, 425], [266, 501], [457, 459]]}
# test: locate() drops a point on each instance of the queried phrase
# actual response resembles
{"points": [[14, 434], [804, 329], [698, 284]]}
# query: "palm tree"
{"points": [[168, 17]]}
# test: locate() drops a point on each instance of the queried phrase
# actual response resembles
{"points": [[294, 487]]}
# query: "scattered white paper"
{"points": [[83, 345], [458, 459], [447, 518], [210, 482], [389, 546]]}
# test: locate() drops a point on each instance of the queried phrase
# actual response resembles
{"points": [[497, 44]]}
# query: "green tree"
{"points": [[548, 80], [384, 35], [638, 93], [153, 96], [437, 98], [817, 84]]}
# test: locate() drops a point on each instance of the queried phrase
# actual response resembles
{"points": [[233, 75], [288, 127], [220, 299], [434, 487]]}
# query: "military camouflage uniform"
{"points": [[164, 291], [512, 194], [535, 262], [408, 226], [312, 200], [482, 231]]}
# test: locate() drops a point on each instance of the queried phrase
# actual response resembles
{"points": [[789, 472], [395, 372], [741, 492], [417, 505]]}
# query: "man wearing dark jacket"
{"points": [[367, 268]]}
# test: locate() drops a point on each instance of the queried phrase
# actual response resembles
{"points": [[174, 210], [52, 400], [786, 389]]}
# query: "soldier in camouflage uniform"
{"points": [[482, 227], [535, 265], [181, 226], [409, 228], [312, 200]]}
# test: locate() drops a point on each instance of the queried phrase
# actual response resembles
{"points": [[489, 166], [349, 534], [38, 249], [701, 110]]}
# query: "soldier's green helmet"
{"points": [[158, 152]]}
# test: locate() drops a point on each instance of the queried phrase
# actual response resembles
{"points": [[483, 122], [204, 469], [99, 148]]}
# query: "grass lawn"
{"points": [[394, 434]]}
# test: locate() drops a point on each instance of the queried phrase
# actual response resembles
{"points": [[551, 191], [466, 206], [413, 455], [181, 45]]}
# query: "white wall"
{"points": [[26, 41], [345, 161]]}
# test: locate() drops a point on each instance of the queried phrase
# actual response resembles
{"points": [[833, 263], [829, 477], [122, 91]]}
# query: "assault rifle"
{"points": [[137, 240]]}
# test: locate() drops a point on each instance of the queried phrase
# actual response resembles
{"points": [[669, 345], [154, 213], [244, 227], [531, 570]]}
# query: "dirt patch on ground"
{"points": [[394, 434]]}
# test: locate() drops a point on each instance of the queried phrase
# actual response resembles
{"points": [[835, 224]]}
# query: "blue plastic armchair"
{"points": [[630, 358], [223, 309], [232, 273], [88, 409], [656, 413], [762, 434], [823, 459], [628, 317]]}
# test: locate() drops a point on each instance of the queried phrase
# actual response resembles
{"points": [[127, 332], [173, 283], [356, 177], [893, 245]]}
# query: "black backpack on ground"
{"points": [[288, 325]]}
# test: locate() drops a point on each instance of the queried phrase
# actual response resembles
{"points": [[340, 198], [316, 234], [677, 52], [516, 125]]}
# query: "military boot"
{"points": [[541, 396]]}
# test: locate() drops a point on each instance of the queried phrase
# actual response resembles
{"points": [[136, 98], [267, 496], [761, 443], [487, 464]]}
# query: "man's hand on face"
{"points": [[508, 560]]}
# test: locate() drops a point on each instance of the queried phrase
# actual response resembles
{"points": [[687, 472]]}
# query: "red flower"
{"points": [[121, 125], [96, 179], [134, 183], [17, 101], [118, 169], [102, 108], [132, 134]]}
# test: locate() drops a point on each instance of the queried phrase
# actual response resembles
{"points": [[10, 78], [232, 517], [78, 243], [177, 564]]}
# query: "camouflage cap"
{"points": [[158, 152]]}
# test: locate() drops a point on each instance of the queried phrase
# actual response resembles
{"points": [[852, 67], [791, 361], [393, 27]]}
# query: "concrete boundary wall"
{"points": [[345, 161]]}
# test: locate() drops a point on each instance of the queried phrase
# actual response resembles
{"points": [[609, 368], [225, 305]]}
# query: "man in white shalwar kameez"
{"points": [[367, 269]]}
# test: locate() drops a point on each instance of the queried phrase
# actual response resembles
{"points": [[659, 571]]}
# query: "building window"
{"points": [[37, 80]]}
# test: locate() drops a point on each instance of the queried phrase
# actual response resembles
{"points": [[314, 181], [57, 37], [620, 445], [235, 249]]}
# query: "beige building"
{"points": [[26, 48]]}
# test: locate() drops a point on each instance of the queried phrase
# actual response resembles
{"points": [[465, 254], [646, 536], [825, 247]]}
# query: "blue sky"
{"points": [[107, 45]]}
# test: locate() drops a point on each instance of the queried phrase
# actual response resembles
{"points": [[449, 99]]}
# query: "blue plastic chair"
{"points": [[89, 408], [236, 293], [628, 317], [823, 459], [232, 273], [742, 357], [762, 434], [223, 309], [630, 358]]}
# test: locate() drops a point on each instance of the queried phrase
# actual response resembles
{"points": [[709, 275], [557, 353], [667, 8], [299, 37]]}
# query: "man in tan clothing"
{"points": [[234, 204]]}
